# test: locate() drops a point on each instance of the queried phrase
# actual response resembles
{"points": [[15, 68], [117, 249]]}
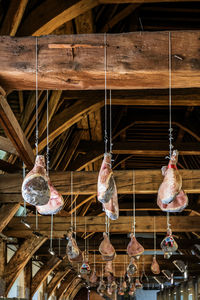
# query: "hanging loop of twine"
{"points": [[36, 96], [72, 221], [154, 222], [47, 154], [105, 72], [134, 222]]}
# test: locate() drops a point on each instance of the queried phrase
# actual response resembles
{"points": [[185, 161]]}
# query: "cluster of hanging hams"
{"points": [[171, 196], [38, 190]]}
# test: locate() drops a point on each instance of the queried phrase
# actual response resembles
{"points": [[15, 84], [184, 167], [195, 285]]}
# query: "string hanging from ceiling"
{"points": [[23, 220], [133, 222]]}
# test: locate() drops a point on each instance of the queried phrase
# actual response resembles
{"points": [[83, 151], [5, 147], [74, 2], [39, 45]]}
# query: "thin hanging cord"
{"points": [[24, 174], [154, 226], [111, 125], [134, 222], [36, 95], [168, 223], [59, 246], [85, 240], [51, 236], [94, 262], [170, 99], [36, 219], [47, 155], [105, 70], [72, 200], [102, 271], [75, 219]]}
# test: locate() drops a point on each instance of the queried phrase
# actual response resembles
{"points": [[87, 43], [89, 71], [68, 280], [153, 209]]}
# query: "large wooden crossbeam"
{"points": [[97, 224], [85, 183], [134, 61]]}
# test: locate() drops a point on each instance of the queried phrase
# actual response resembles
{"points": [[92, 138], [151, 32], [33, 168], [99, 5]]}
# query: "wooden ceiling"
{"points": [[138, 74]]}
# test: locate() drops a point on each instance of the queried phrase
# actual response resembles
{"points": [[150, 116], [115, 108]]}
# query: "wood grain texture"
{"points": [[58, 277], [7, 145], [96, 224], [20, 259], [134, 61], [7, 211], [85, 183], [15, 133], [65, 284]]}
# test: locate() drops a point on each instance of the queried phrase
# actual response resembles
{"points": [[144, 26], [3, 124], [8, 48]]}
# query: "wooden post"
{"points": [[27, 279], [3, 254]]}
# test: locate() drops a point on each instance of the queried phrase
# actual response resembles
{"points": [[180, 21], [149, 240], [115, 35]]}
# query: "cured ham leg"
{"points": [[108, 268], [73, 252], [138, 284], [106, 248], [177, 205], [134, 248], [132, 289], [35, 187], [112, 208], [93, 277], [105, 180], [172, 182], [168, 244], [132, 267], [155, 266], [55, 203]]}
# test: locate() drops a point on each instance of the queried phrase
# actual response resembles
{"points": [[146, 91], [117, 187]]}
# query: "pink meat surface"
{"points": [[134, 248]]}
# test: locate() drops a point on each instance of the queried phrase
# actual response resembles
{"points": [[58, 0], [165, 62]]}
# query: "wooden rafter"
{"points": [[15, 133], [85, 183], [58, 277], [7, 145], [67, 282], [20, 259], [146, 66], [96, 224], [76, 281], [6, 214]]}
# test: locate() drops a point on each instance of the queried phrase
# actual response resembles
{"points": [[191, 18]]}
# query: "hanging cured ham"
{"points": [[112, 208], [168, 244], [138, 284], [93, 278], [172, 182], [177, 205], [134, 248], [132, 289], [35, 187], [73, 252], [54, 204], [108, 268], [105, 180], [106, 248], [132, 267], [155, 266]]}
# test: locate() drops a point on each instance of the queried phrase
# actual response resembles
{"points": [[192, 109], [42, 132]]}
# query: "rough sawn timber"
{"points": [[85, 183], [76, 62]]}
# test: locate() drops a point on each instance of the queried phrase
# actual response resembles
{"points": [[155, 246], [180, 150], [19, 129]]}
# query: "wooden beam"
{"points": [[85, 183], [43, 273], [138, 1], [20, 259], [6, 145], [7, 211], [76, 290], [58, 277], [64, 285], [8, 167], [146, 65], [96, 224], [71, 288], [15, 133], [56, 14], [13, 17], [27, 279]]}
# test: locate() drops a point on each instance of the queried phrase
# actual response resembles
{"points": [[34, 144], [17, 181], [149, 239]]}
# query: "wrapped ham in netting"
{"points": [[55, 203], [73, 252], [172, 182], [134, 249], [177, 205], [155, 266], [112, 208], [168, 244], [106, 248], [35, 187]]}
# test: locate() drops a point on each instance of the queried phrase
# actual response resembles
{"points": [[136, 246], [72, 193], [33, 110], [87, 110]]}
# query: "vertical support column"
{"points": [[28, 279], [44, 289], [3, 254]]}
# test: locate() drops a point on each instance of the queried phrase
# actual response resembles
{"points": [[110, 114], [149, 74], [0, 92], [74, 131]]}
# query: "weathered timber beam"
{"points": [[85, 183], [15, 133], [7, 211], [75, 291], [76, 281], [8, 167], [146, 65], [13, 17], [10, 198], [27, 279], [67, 282], [96, 224], [43, 273], [20, 259], [6, 145]]}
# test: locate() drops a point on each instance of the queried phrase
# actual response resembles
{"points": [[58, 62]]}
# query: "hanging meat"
{"points": [[101, 288], [168, 244], [93, 278], [106, 248], [172, 182], [35, 187], [55, 203], [155, 266], [108, 268], [112, 208], [132, 267], [85, 269], [138, 284], [73, 252], [134, 249], [106, 183], [132, 289], [177, 205]]}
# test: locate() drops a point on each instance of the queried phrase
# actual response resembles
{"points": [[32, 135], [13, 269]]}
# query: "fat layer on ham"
{"points": [[134, 248], [177, 205], [172, 181], [73, 252], [155, 266], [55, 203], [35, 187], [106, 248]]}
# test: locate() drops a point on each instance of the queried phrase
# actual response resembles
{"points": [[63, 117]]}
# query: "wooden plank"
{"points": [[6, 145], [75, 281], [15, 133], [27, 279], [8, 167], [20, 259], [75, 291], [56, 14], [85, 183], [58, 277], [43, 273], [13, 17], [65, 284], [146, 65], [7, 211], [10, 198], [84, 23], [68, 117], [97, 224]]}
